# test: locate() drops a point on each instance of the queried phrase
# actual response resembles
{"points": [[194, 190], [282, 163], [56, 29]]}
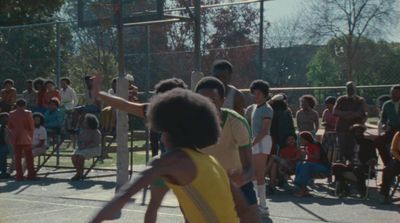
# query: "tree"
{"points": [[350, 20], [28, 52], [374, 63]]}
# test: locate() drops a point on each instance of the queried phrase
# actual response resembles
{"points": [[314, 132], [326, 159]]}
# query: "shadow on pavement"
{"points": [[19, 186]]}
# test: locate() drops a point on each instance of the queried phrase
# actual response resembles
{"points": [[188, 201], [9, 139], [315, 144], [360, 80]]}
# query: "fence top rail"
{"points": [[322, 88]]}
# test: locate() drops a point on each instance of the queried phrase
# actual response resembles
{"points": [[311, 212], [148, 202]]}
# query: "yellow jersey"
{"points": [[208, 198]]}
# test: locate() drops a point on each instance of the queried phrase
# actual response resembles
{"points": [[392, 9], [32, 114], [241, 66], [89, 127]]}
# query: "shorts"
{"points": [[264, 146], [249, 193]]}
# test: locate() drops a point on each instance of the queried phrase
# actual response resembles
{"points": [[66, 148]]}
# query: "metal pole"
{"points": [[261, 41], [197, 35], [148, 60], [58, 49], [122, 118]]}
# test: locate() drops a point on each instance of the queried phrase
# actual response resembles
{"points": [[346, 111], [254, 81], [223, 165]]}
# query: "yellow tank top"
{"points": [[208, 198]]}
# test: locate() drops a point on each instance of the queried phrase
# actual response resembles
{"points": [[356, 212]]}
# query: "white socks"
{"points": [[260, 191]]}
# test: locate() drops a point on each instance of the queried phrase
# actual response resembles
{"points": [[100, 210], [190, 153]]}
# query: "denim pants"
{"points": [[306, 171], [4, 150]]}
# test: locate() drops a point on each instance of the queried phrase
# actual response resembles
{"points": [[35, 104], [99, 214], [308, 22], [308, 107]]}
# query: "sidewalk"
{"points": [[56, 199]]}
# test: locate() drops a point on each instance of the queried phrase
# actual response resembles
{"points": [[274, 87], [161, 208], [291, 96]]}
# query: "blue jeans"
{"points": [[4, 149], [306, 171]]}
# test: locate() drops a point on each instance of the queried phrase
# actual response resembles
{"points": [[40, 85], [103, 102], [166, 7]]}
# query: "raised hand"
{"points": [[96, 84]]}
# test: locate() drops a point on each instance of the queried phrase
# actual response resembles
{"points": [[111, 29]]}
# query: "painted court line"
{"points": [[41, 212], [83, 206]]}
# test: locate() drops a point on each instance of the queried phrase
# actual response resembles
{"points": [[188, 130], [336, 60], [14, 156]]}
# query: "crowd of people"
{"points": [[210, 137]]}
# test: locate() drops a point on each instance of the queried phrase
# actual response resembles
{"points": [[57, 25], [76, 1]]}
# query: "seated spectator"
{"points": [[329, 122], [51, 92], [89, 140], [357, 171], [284, 164], [307, 118], [30, 95], [38, 85], [8, 96], [4, 145], [39, 139], [391, 170], [53, 118], [315, 164]]}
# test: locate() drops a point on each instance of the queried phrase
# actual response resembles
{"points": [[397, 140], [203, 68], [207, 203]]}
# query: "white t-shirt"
{"points": [[39, 134], [68, 98]]}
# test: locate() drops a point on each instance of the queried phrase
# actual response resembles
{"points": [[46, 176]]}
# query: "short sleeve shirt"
{"points": [[261, 112], [39, 134], [235, 135]]}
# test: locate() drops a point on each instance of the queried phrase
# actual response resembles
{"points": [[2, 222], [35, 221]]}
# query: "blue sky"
{"points": [[284, 9]]}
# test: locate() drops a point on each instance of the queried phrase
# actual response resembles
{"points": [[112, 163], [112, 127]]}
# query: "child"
{"points": [[4, 145], [39, 139], [51, 92], [89, 140], [53, 117], [285, 163], [315, 163], [186, 170], [307, 118], [261, 118], [329, 122]]}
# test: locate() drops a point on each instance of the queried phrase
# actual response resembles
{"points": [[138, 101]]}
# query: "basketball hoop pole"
{"points": [[122, 91], [197, 35]]}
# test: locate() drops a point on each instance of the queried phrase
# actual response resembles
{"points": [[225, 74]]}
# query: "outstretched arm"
{"points": [[119, 103], [125, 193], [137, 109]]}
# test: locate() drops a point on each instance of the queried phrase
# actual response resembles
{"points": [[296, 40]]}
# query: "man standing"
{"points": [[234, 99], [68, 95], [350, 109], [21, 127], [233, 149], [390, 120]]}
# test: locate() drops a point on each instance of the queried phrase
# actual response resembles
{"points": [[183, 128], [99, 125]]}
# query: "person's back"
{"points": [[89, 139], [20, 124], [231, 92], [199, 201]]}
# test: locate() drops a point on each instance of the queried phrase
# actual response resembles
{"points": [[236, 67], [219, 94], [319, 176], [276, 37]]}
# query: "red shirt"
{"points": [[49, 95], [41, 94], [313, 149], [289, 152]]}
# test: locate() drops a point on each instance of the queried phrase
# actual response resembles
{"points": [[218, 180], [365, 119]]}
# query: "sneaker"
{"points": [[264, 211]]}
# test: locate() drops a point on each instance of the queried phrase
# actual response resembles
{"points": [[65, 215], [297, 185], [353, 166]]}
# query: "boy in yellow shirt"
{"points": [[187, 121]]}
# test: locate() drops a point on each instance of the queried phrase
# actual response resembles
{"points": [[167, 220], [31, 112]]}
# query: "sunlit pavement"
{"points": [[56, 199]]}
